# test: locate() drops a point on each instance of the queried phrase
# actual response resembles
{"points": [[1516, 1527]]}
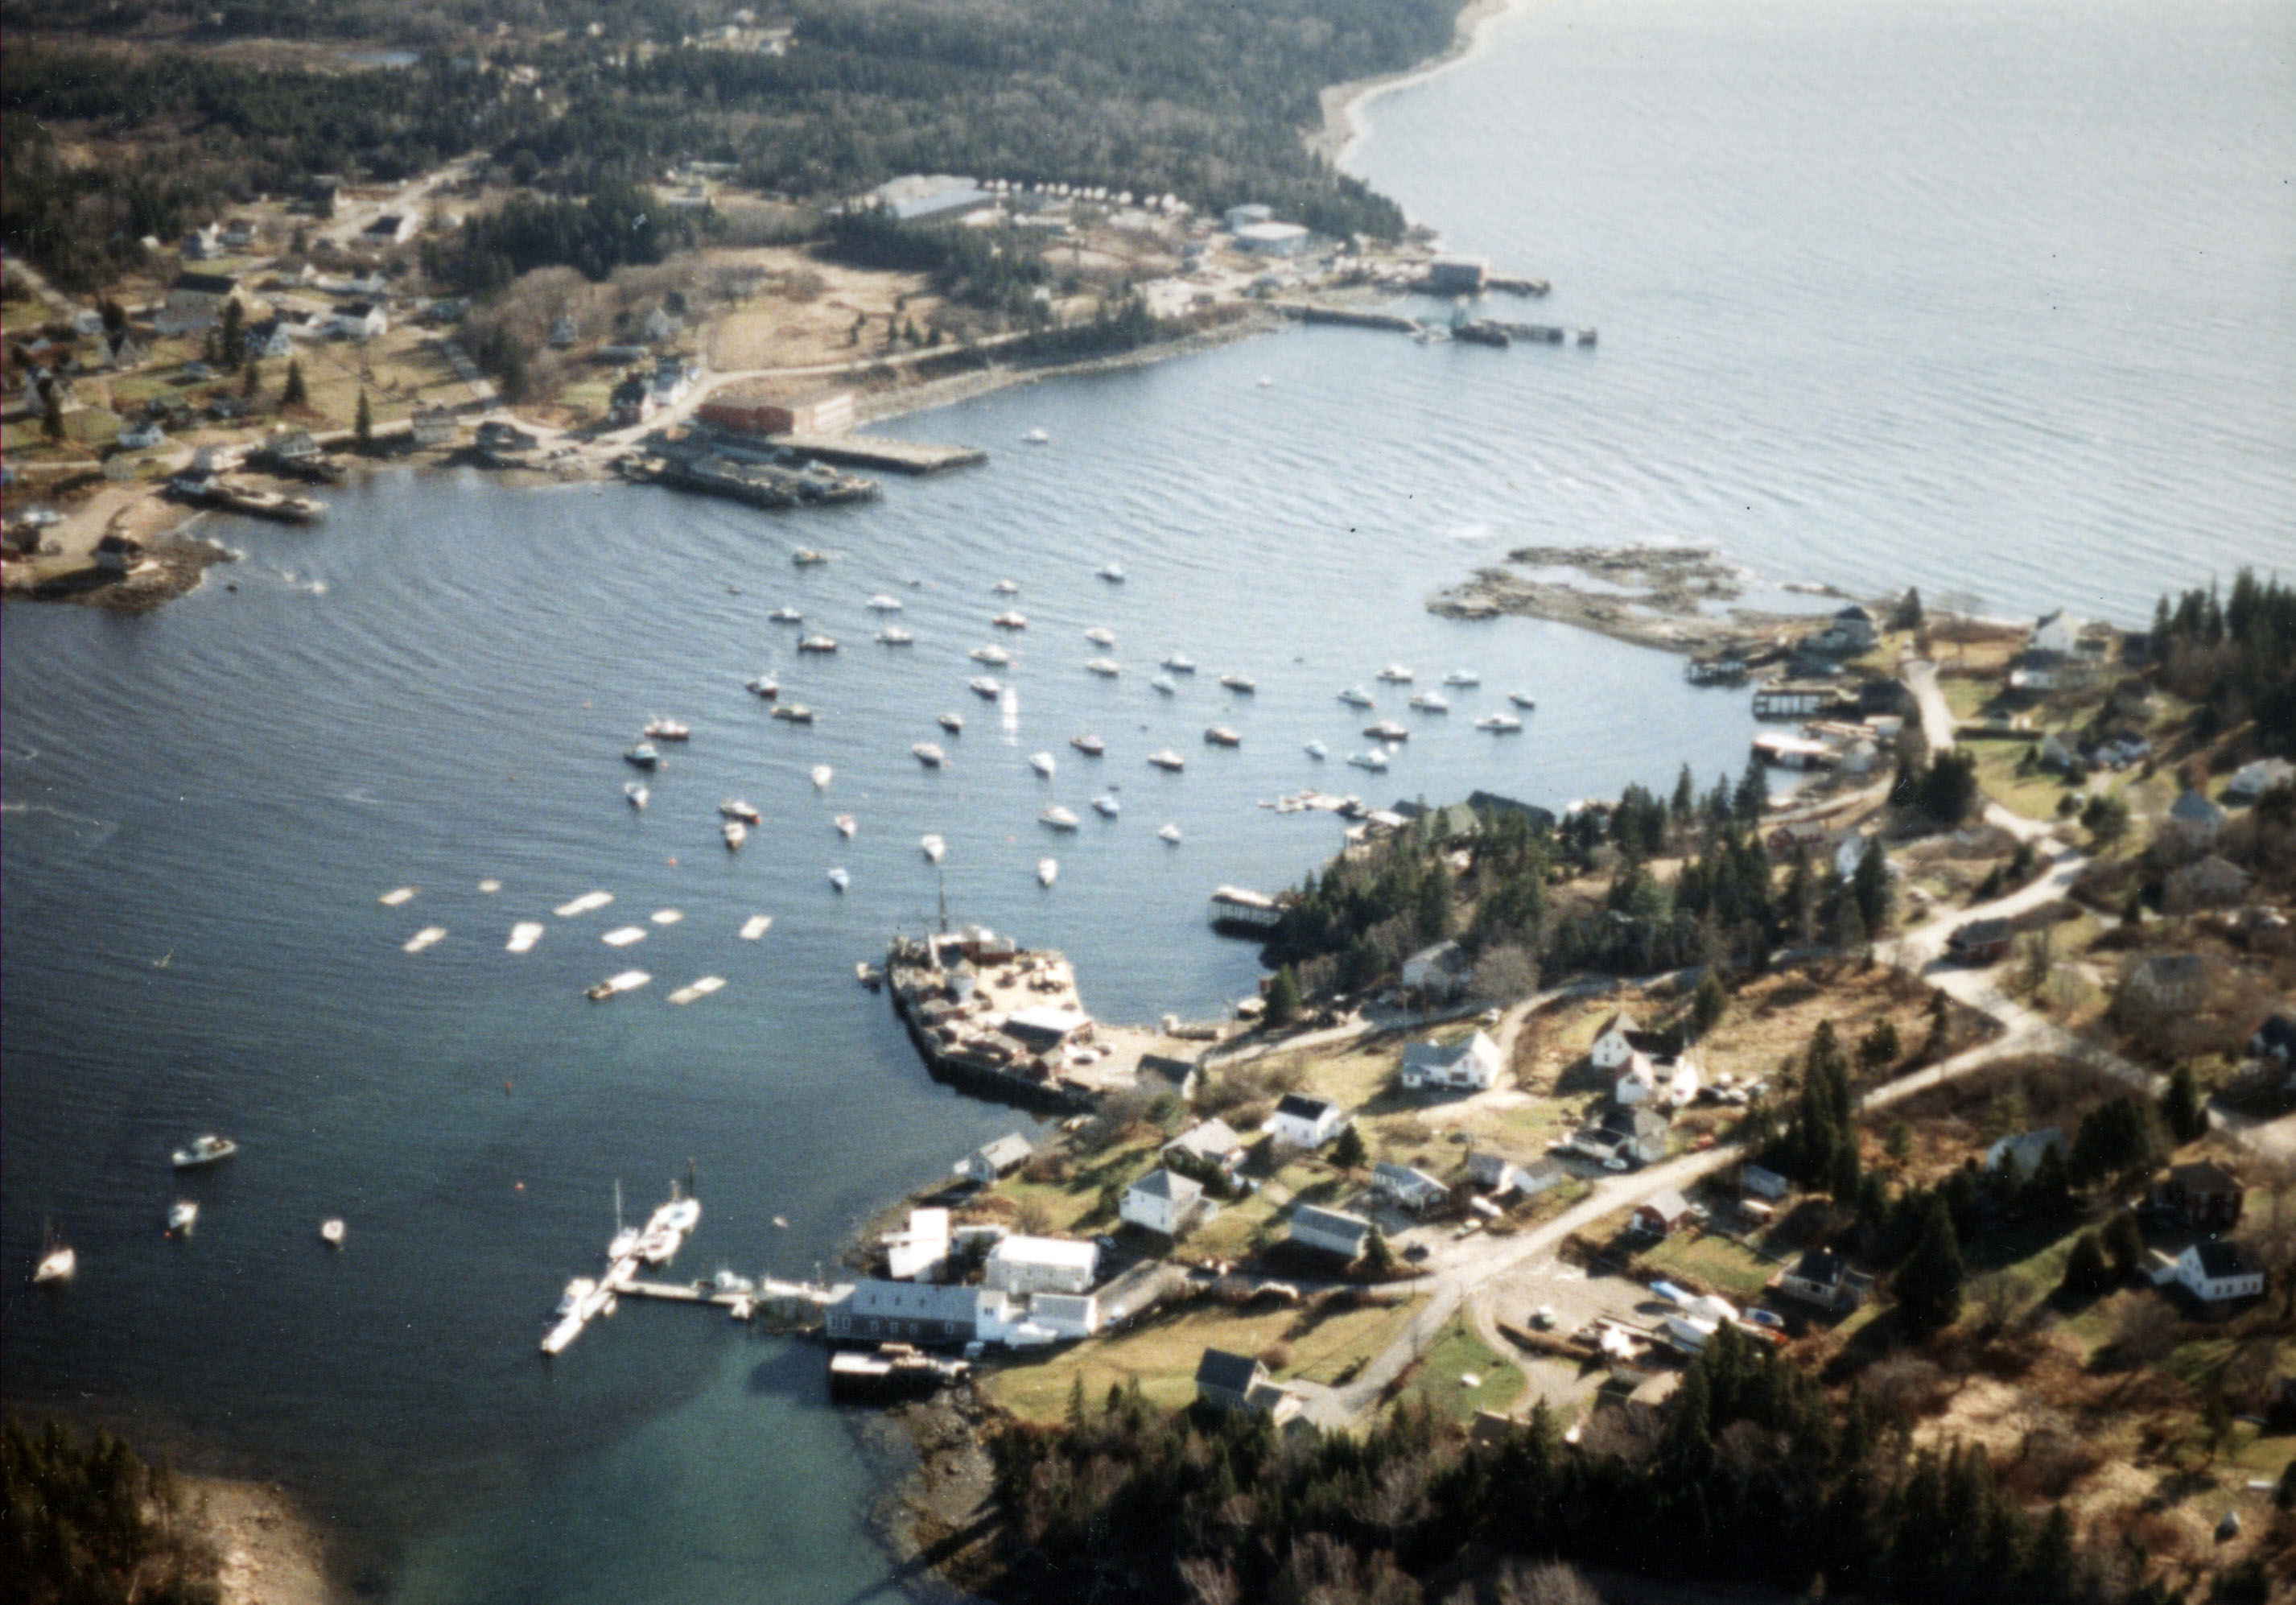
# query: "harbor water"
{"points": [[1987, 301]]}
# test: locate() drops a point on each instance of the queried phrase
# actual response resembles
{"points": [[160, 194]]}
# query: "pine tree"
{"points": [[363, 428], [1379, 1259], [1283, 997], [1348, 1153], [2088, 1274], [294, 394], [2180, 1106], [1928, 1285], [2124, 1241], [1708, 1003], [51, 414], [250, 381], [234, 323], [1870, 886]]}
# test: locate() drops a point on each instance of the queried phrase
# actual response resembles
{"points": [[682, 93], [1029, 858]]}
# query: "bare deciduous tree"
{"points": [[1547, 1583]]}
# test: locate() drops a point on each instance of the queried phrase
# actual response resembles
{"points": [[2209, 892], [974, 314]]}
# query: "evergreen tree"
{"points": [[1708, 1003], [293, 393], [1379, 1259], [2181, 1110], [1753, 793], [1907, 613], [1928, 1285], [2124, 1241], [1283, 998], [1347, 1152], [251, 380], [51, 414], [1881, 1048], [2088, 1273], [1870, 886], [235, 324], [363, 429], [1434, 908]]}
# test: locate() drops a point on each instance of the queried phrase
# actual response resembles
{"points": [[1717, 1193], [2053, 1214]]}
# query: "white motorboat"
{"points": [[807, 557], [986, 685], [821, 776], [59, 1264], [1396, 674], [1114, 572], [681, 1215], [819, 643], [1100, 635], [735, 832], [954, 723], [736, 808], [728, 1281], [658, 1245], [764, 686], [1239, 682], [644, 756], [794, 713], [1041, 762], [929, 754], [881, 603], [1221, 736], [1107, 806], [839, 879], [577, 1292], [1048, 871], [995, 657], [1036, 437], [1355, 696], [1523, 699], [1169, 833], [638, 792], [1317, 749], [1180, 662], [1106, 668], [331, 1232], [1498, 723], [934, 848], [666, 730], [786, 615], [1006, 588], [893, 635], [846, 826], [1166, 684], [1387, 731], [1058, 818], [1168, 760], [1091, 746], [1431, 702], [182, 1216], [1375, 762], [1011, 620], [208, 1149], [1462, 678]]}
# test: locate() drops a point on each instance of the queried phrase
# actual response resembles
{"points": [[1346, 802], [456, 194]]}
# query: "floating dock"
{"points": [[893, 457]]}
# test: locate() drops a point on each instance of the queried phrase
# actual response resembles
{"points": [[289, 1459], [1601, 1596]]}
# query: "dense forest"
{"points": [[86, 1522], [2235, 656]]}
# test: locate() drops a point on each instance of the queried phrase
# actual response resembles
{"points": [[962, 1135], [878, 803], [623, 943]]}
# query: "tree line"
{"points": [[2235, 654], [87, 1522]]}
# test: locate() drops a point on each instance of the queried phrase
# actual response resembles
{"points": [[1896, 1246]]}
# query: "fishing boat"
{"points": [[1011, 620], [1036, 437], [1106, 806], [821, 776], [1058, 818], [839, 879], [1463, 677], [666, 730], [331, 1233], [846, 825], [1006, 588], [735, 832], [1169, 833], [893, 635], [1114, 572], [881, 603], [182, 1216], [1180, 662], [928, 754], [1091, 746], [1498, 723], [935, 849], [1166, 684], [1239, 682], [807, 557], [786, 615], [794, 713], [58, 1263], [735, 808], [644, 755], [954, 723], [1041, 762], [1396, 674], [1100, 635], [638, 792], [1355, 696], [817, 643], [208, 1149], [764, 686], [1221, 736], [1106, 668], [995, 657], [1169, 760], [1317, 749], [1431, 702], [1048, 871], [1388, 731], [1375, 762], [986, 685], [870, 976], [1523, 699]]}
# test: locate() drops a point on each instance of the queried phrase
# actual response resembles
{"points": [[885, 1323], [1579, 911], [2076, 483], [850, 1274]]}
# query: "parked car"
{"points": [[1771, 1318]]}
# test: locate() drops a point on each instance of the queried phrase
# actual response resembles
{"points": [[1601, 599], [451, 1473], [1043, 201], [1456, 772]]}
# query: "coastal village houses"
{"points": [[1302, 1122], [1329, 1231], [1040, 1264], [1472, 1065], [1163, 1200], [991, 1160]]}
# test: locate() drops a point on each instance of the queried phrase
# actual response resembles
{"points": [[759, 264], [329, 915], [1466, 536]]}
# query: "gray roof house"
{"points": [[991, 1160], [1473, 1065], [1329, 1231], [1640, 1133], [1225, 1380], [1415, 1190], [1212, 1142], [908, 1311], [2194, 820]]}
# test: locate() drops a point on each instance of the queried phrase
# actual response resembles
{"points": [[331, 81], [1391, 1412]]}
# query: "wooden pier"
{"points": [[1314, 312], [893, 457]]}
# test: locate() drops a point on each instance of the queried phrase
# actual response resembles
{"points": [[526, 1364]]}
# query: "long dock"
{"points": [[894, 457]]}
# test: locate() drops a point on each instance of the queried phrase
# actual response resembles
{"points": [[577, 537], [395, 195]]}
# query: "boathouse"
{"points": [[991, 1160], [875, 1311], [814, 412]]}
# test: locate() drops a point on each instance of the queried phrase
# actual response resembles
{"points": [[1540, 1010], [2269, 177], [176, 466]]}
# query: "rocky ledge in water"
{"points": [[938, 1515], [1650, 596]]}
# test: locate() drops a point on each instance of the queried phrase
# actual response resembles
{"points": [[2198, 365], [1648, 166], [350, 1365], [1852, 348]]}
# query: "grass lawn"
{"points": [[1716, 1261], [2034, 795], [1460, 1353], [1068, 1204], [1236, 1232], [1162, 1352]]}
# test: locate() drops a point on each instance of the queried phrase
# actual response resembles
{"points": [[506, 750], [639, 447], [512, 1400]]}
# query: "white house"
{"points": [[1473, 1065], [1065, 1314], [2216, 1272], [2057, 632], [1162, 1200], [136, 437], [1671, 1081], [1303, 1122], [991, 1160], [1620, 1038], [919, 1252], [360, 320], [1037, 1264], [2252, 780]]}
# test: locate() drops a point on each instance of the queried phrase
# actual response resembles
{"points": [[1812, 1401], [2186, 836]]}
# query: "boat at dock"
{"points": [[233, 496], [1011, 620], [1168, 760], [935, 849], [1106, 668], [1048, 871], [896, 1371], [1375, 762], [644, 755], [794, 713], [735, 832], [1059, 817], [1041, 762], [615, 986], [735, 808], [208, 1149], [1091, 746], [667, 729], [1106, 806], [995, 657], [846, 826], [182, 1216], [1355, 696], [1180, 662], [1498, 723], [1100, 635], [893, 635], [1221, 736], [817, 643], [764, 686], [1239, 682], [987, 685], [954, 723], [929, 754], [637, 793]]}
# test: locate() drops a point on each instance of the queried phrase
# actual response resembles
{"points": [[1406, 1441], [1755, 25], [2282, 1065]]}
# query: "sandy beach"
{"points": [[1346, 106], [270, 1552]]}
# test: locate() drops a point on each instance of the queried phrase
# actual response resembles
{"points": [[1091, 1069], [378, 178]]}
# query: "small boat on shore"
{"points": [[1498, 723], [1058, 818], [1041, 762], [735, 832], [208, 1149], [1375, 762], [637, 793], [1239, 682], [1166, 684], [881, 603], [1355, 696], [893, 635], [1523, 699], [644, 755], [1114, 572], [1168, 833], [735, 808], [1091, 746], [1463, 677], [1100, 635], [935, 849], [764, 686], [954, 723], [870, 976], [839, 879], [817, 643], [1396, 674], [995, 657], [807, 557], [1431, 702], [182, 1217], [1106, 806], [1221, 736], [666, 730], [986, 685], [928, 754], [1048, 871], [331, 1232], [1106, 668], [1168, 760], [786, 615], [1180, 662], [1011, 620], [821, 776], [846, 826], [1317, 750], [794, 713]]}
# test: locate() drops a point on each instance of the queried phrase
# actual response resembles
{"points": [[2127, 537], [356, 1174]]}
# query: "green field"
{"points": [[1441, 1378]]}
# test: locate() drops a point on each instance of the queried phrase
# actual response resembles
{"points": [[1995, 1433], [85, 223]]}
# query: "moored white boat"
{"points": [[59, 1264], [331, 1233], [794, 713], [819, 643], [786, 615], [1106, 668], [1100, 635], [1180, 662], [644, 756], [1239, 682], [1355, 696], [1041, 762], [929, 754], [986, 685], [1317, 749], [881, 603], [1048, 871], [637, 793], [1011, 620], [736, 808], [1036, 437], [1463, 677], [1396, 674], [1107, 806], [995, 657], [807, 557], [764, 686], [1375, 762], [208, 1149], [935, 849], [1058, 818], [893, 635], [1114, 572], [666, 730], [846, 826], [1169, 833], [1006, 588], [182, 1216], [1431, 702], [839, 879], [1523, 699], [821, 776], [1388, 731], [1091, 746], [1169, 760], [1221, 736], [1498, 723], [1166, 684], [954, 723], [734, 832]]}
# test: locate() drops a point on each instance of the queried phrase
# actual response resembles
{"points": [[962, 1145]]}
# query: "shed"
{"points": [[917, 1312], [1661, 1214], [985, 1163]]}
